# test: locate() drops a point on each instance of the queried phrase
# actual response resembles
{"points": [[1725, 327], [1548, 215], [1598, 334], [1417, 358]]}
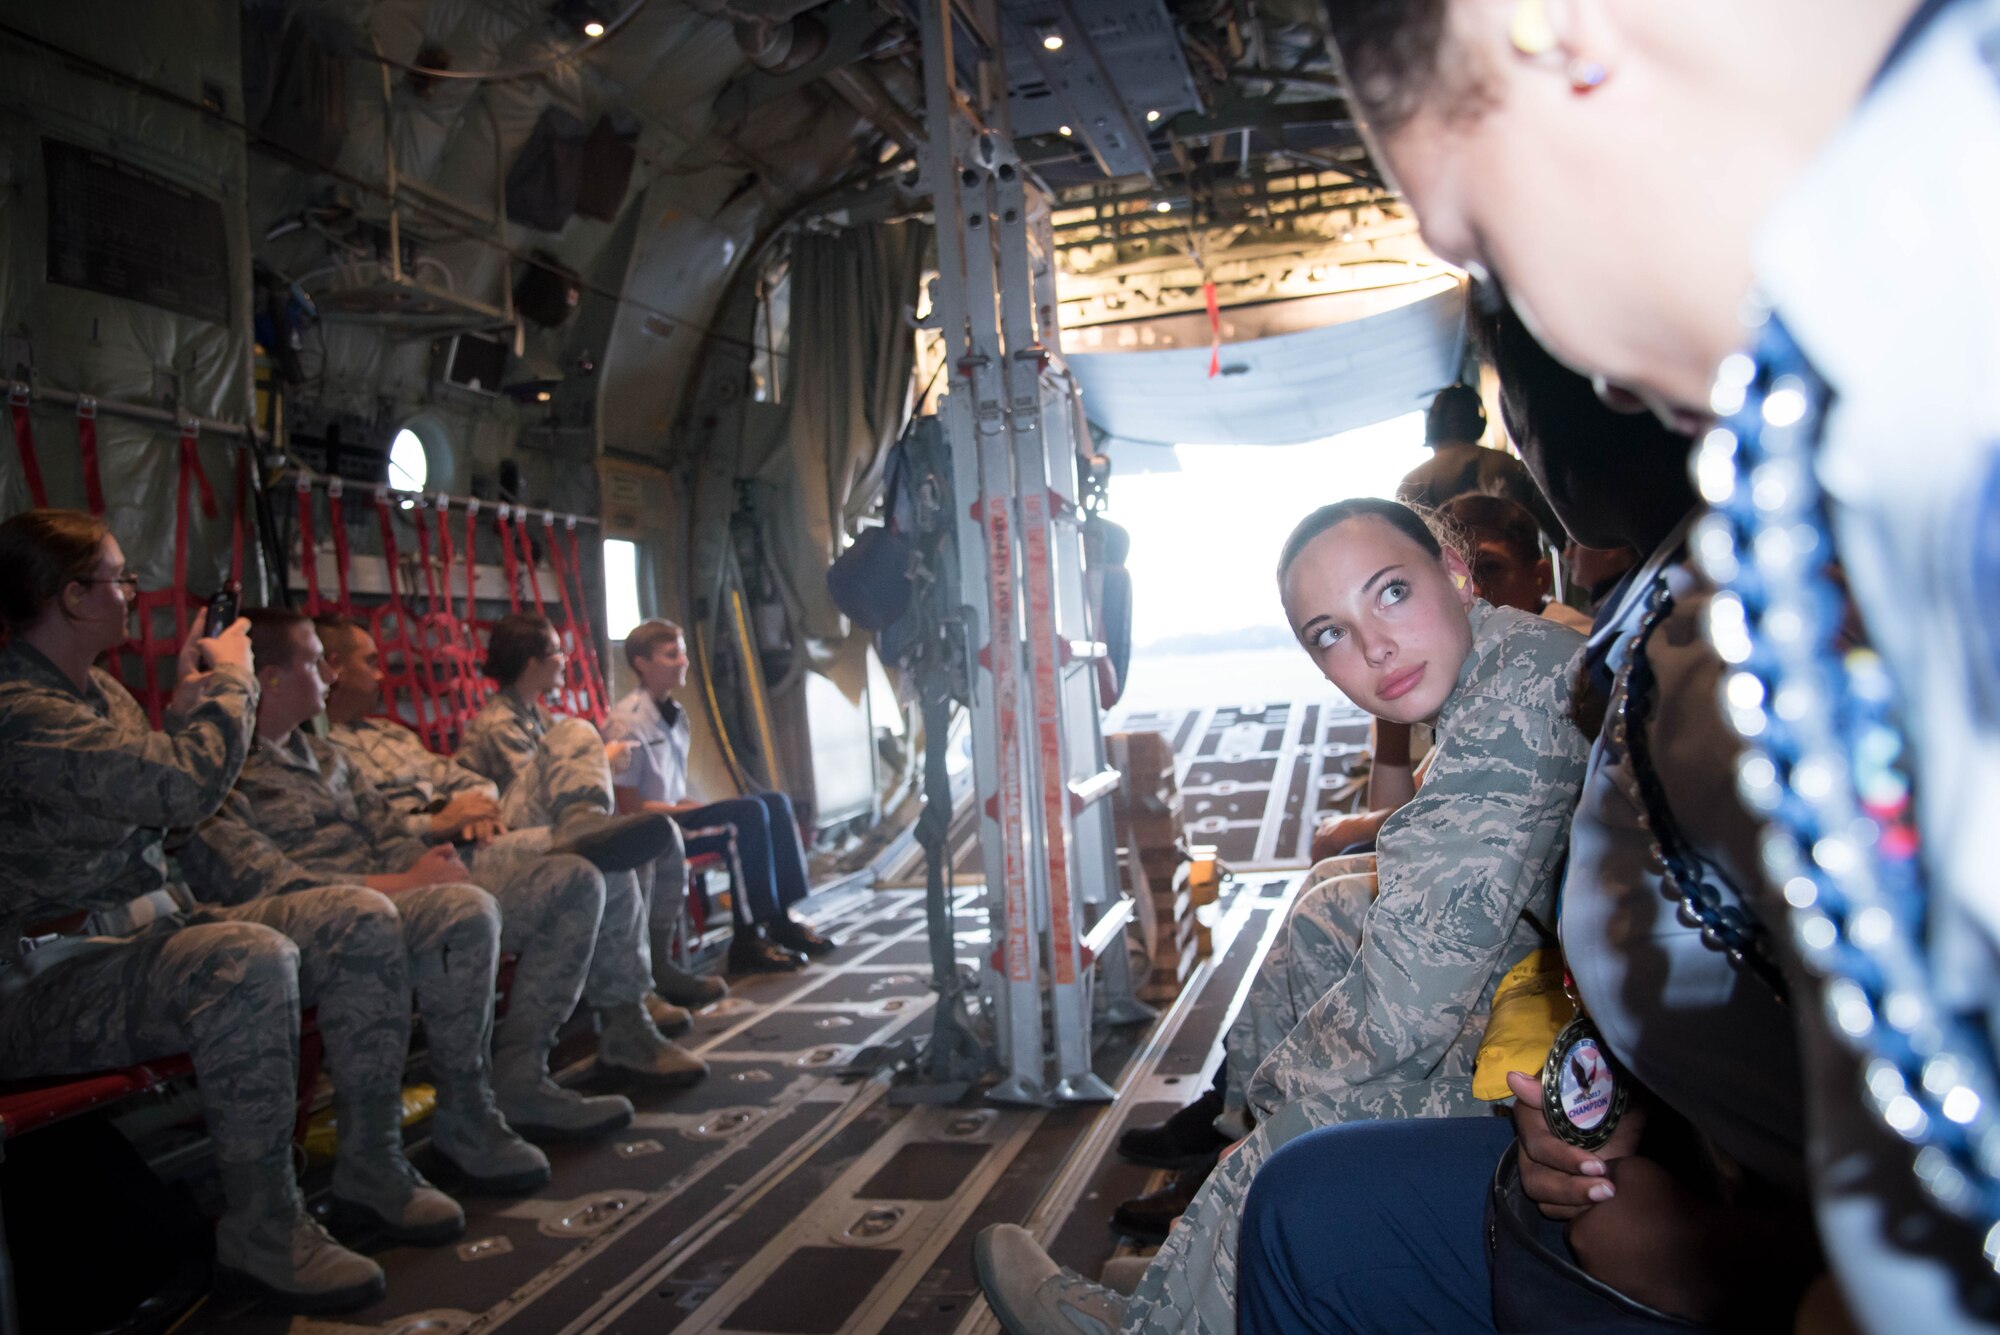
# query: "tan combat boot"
{"points": [[672, 1021], [675, 984], [540, 1107], [374, 1184], [267, 1244], [473, 1138], [629, 1045]]}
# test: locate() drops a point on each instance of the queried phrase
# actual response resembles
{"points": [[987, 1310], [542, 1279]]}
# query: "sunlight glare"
{"points": [[1205, 540]]}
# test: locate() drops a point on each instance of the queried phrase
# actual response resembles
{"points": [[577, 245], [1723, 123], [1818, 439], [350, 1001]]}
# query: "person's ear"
{"points": [[1461, 577]]}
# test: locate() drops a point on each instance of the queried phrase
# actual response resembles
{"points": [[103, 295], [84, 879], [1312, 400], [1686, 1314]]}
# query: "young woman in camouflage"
{"points": [[1374, 1002], [106, 961]]}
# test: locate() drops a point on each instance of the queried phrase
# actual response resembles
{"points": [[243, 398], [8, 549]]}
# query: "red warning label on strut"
{"points": [[1048, 728], [1020, 959]]}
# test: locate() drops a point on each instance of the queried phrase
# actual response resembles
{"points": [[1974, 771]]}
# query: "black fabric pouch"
{"points": [[1538, 1287]]}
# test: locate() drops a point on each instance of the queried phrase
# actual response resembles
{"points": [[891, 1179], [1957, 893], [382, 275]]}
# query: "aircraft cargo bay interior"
{"points": [[813, 667]]}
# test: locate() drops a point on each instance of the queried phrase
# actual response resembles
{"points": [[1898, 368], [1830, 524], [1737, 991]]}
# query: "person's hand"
{"points": [[482, 832], [462, 811], [1338, 832], [1653, 1242], [438, 866], [200, 653], [231, 647], [618, 755], [1564, 1179], [199, 656]]}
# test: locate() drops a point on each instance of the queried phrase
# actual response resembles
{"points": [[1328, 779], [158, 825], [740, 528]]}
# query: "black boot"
{"points": [[1188, 1139], [612, 842], [1147, 1218], [750, 952], [796, 936]]}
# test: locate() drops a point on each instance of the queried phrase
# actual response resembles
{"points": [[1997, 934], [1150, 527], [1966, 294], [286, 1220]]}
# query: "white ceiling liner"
{"points": [[1284, 390]]}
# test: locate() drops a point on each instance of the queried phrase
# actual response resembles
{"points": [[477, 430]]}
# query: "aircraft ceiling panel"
{"points": [[1278, 391], [1117, 73]]}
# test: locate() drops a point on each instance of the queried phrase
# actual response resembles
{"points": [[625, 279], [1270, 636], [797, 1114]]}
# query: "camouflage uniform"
{"points": [[1314, 946], [1407, 979], [303, 815], [87, 789], [408, 774], [545, 768], [541, 765]]}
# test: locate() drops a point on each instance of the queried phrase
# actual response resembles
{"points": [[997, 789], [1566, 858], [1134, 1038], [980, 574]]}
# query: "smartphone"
{"points": [[222, 610]]}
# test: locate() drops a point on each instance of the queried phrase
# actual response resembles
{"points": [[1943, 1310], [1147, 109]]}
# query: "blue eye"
{"points": [[1394, 592], [1327, 637]]}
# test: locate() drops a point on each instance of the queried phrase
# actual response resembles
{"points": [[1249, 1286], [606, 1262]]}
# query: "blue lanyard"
{"points": [[1826, 767]]}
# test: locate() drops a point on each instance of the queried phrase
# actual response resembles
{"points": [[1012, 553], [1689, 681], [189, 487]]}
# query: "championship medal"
{"points": [[1582, 1096]]}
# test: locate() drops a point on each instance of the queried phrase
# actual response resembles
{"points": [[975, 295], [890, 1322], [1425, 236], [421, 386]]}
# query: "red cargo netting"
{"points": [[586, 692], [432, 648], [146, 663]]}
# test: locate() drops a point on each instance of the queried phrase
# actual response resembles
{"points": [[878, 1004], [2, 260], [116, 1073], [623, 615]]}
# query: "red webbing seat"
{"points": [[24, 444], [28, 1105]]}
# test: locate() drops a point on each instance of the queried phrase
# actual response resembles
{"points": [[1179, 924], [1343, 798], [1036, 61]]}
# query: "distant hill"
{"points": [[1221, 641]]}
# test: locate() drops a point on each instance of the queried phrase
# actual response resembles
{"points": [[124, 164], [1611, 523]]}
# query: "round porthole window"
{"points": [[409, 462]]}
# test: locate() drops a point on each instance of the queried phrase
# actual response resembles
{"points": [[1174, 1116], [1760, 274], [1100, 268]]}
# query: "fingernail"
{"points": [[1603, 1191], [1592, 1168]]}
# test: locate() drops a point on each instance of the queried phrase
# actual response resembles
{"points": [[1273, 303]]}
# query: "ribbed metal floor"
{"points": [[779, 1197], [1253, 775]]}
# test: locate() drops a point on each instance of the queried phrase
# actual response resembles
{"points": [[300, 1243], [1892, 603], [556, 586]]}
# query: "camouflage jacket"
{"points": [[1456, 867], [502, 738], [88, 789], [302, 815], [408, 774]]}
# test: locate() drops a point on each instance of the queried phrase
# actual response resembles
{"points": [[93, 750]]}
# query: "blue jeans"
{"points": [[1372, 1227], [770, 866]]}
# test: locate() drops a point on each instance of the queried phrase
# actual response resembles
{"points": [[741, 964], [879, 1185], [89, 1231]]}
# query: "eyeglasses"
{"points": [[129, 581]]}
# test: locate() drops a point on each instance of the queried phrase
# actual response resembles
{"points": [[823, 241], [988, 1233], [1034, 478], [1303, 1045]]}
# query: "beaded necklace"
{"points": [[1723, 925], [1826, 766]]}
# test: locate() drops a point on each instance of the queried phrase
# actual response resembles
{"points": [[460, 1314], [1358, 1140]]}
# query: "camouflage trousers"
{"points": [[451, 934], [1191, 1283], [1313, 949], [665, 885], [225, 985], [569, 773], [621, 957], [552, 912]]}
